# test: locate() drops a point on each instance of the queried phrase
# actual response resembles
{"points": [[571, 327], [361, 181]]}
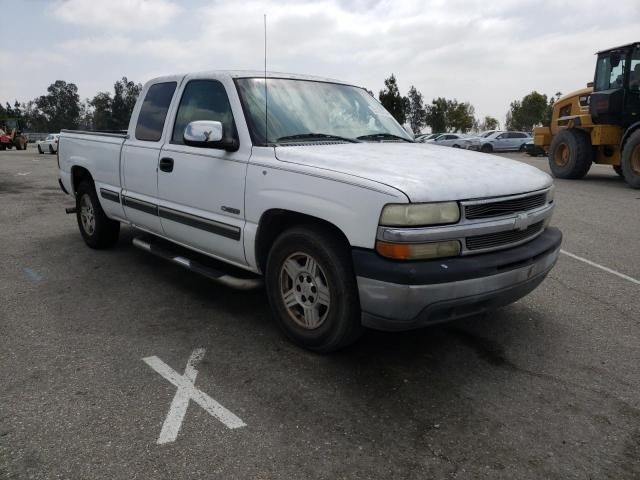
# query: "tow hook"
{"points": [[70, 210]]}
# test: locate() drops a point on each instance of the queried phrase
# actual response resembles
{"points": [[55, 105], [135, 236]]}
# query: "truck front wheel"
{"points": [[312, 289], [631, 160], [98, 231], [570, 154]]}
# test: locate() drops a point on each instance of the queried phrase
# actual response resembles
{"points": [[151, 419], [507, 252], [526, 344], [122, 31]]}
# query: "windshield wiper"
{"points": [[383, 136], [316, 136]]}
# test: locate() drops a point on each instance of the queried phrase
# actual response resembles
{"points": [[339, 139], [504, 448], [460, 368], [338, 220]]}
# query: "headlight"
{"points": [[418, 251], [418, 214]]}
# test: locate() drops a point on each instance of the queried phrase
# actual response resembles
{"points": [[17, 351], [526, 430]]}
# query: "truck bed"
{"points": [[98, 152]]}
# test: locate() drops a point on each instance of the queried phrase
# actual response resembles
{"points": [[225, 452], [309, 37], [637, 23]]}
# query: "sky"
{"points": [[485, 52]]}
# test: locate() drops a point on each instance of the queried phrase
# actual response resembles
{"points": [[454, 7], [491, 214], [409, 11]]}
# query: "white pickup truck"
{"points": [[311, 185]]}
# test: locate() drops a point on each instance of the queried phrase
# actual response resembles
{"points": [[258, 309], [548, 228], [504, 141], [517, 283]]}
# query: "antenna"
{"points": [[266, 101]]}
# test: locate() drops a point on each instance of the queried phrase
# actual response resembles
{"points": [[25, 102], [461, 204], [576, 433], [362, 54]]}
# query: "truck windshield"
{"points": [[307, 111]]}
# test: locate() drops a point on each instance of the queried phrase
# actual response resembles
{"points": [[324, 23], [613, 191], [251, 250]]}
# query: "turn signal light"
{"points": [[418, 251]]}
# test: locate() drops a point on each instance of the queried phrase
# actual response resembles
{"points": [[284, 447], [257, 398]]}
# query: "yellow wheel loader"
{"points": [[600, 123]]}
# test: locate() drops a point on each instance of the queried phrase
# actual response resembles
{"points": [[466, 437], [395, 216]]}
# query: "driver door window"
{"points": [[203, 100]]}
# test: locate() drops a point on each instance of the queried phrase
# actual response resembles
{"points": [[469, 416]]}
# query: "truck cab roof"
{"points": [[248, 74]]}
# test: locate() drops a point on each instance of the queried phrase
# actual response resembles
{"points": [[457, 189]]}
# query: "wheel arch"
{"points": [[78, 174], [276, 220], [627, 133]]}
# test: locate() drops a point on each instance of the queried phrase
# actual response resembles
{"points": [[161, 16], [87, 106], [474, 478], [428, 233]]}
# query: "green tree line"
{"points": [[451, 115], [62, 108]]}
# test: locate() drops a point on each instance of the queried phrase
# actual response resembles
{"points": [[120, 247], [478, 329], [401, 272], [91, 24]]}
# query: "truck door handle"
{"points": [[166, 164]]}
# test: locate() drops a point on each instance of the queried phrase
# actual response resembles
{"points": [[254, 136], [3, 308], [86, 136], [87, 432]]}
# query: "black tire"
{"points": [[618, 170], [631, 160], [40, 150], [570, 154], [486, 148], [104, 232], [339, 323], [51, 151], [522, 148]]}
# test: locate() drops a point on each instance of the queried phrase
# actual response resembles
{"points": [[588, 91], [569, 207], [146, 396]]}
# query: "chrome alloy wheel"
{"points": [[304, 290], [87, 215]]}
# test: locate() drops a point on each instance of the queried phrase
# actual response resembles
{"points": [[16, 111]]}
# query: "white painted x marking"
{"points": [[187, 391]]}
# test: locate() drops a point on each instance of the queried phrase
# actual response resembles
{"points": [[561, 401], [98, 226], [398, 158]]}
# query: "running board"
{"points": [[202, 265]]}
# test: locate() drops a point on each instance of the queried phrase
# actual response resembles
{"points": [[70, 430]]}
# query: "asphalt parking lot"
{"points": [[546, 388]]}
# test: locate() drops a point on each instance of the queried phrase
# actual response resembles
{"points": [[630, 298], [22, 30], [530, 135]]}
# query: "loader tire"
{"points": [[631, 160], [570, 154]]}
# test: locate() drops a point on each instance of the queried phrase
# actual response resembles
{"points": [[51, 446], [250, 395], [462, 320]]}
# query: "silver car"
{"points": [[455, 140], [500, 142]]}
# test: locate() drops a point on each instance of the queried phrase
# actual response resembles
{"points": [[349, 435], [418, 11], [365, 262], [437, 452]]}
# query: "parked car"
{"points": [[500, 142], [349, 225], [455, 140], [49, 144], [534, 150]]}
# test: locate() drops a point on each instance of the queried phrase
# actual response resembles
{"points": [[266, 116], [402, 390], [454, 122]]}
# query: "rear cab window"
{"points": [[154, 111]]}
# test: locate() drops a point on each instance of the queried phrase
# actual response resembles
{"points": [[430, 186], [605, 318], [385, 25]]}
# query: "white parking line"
{"points": [[187, 391], [601, 267]]}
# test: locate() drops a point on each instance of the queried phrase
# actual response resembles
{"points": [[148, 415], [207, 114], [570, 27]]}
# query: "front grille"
{"points": [[504, 207], [491, 240]]}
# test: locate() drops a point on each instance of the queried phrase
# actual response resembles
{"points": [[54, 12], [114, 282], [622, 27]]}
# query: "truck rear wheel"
{"points": [[570, 154], [631, 160], [97, 230], [312, 289]]}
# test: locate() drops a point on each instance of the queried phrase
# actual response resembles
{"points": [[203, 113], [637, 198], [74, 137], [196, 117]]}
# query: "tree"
{"points": [[61, 106], [125, 96], [415, 111], [33, 118], [86, 115], [489, 123], [526, 113], [460, 116], [102, 115], [391, 99], [547, 116], [436, 115]]}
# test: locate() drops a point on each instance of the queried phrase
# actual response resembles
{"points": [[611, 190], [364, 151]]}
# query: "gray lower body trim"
{"points": [[141, 205], [201, 223], [110, 195], [389, 306]]}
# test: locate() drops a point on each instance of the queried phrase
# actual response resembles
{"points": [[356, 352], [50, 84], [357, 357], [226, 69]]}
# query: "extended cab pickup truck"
{"points": [[310, 186]]}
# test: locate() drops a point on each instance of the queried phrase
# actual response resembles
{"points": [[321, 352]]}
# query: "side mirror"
{"points": [[209, 134]]}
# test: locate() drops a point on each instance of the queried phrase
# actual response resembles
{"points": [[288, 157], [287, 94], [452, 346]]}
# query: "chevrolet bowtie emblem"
{"points": [[521, 222]]}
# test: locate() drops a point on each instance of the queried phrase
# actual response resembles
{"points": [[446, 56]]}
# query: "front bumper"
{"points": [[406, 295]]}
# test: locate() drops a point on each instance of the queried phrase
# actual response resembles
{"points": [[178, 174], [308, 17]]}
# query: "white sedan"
{"points": [[455, 140], [49, 144]]}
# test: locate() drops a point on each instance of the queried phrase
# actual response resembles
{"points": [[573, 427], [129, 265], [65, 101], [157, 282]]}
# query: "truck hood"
{"points": [[423, 172]]}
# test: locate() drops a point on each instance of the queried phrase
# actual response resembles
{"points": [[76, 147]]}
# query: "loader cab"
{"points": [[616, 86]]}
